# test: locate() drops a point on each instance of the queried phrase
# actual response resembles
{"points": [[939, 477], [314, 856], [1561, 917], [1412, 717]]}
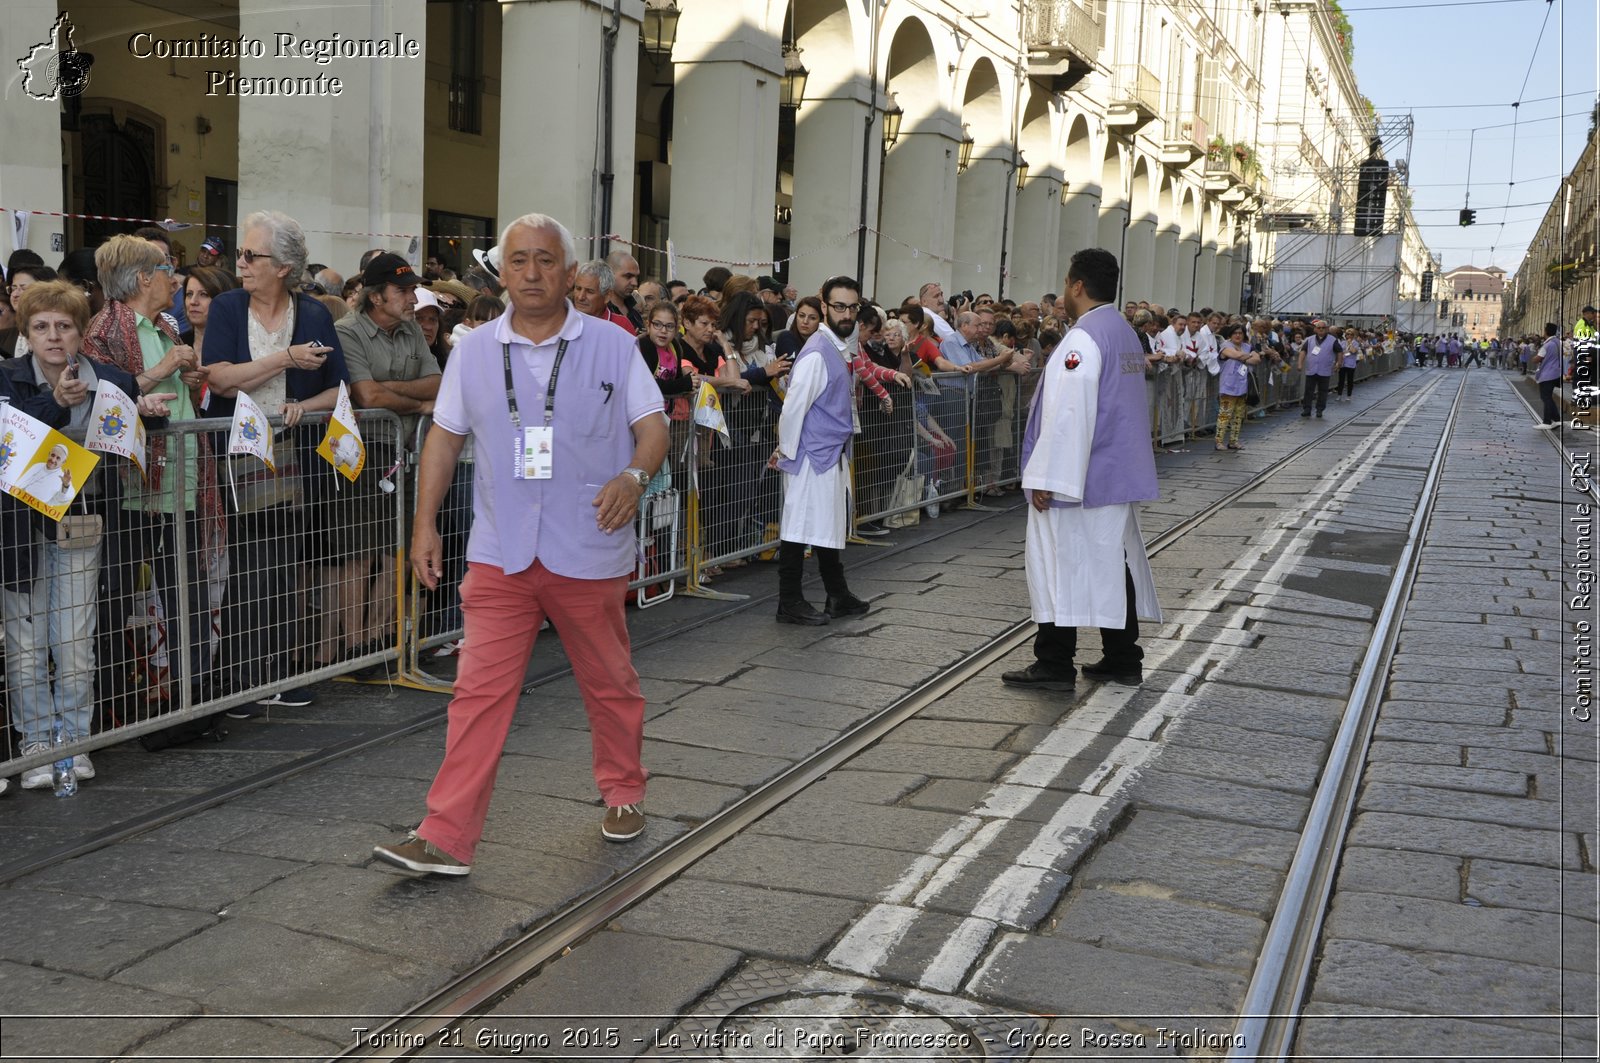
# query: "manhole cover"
{"points": [[771, 1010]]}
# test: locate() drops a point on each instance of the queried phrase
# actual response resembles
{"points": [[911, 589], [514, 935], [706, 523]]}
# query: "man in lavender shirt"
{"points": [[1549, 373], [567, 428]]}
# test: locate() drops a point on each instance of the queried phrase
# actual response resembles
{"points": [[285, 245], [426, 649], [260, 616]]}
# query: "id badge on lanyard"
{"points": [[534, 457]]}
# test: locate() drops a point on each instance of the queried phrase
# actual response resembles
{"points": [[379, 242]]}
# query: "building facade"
{"points": [[1479, 292], [975, 145], [1560, 274]]}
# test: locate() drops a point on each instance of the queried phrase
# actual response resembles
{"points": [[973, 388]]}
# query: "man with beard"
{"points": [[625, 281], [813, 440], [1086, 461]]}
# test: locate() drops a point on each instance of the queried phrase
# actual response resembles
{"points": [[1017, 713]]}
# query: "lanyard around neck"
{"points": [[550, 392]]}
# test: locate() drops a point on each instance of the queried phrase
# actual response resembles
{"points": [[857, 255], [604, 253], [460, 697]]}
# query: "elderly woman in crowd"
{"points": [[135, 334], [279, 347], [1233, 383], [49, 571]]}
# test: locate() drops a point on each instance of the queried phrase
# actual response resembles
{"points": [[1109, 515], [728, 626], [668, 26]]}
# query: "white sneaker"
{"points": [[1547, 427], [5, 784], [36, 778], [450, 649], [82, 766]]}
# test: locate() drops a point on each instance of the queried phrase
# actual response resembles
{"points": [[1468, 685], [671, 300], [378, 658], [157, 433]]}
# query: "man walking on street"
{"points": [[559, 475], [813, 436], [1316, 361], [1086, 460]]}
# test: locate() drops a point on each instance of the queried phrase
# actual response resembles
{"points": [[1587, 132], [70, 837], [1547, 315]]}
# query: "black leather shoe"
{"points": [[1041, 676], [1102, 669], [848, 605], [801, 612], [872, 530]]}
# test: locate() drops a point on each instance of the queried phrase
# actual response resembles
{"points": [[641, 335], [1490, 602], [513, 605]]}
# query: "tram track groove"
{"points": [[473, 992]]}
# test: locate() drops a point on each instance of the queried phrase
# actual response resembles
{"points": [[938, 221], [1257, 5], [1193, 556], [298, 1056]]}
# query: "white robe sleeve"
{"points": [[1068, 404], [1208, 354], [806, 381]]}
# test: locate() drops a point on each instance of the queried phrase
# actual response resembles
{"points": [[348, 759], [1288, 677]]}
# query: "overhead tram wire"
{"points": [[1516, 117]]}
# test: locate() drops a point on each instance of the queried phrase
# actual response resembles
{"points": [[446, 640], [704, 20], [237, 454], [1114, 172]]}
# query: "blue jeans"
{"points": [[55, 617]]}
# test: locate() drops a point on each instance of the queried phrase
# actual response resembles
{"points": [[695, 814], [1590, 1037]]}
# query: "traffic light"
{"points": [[1468, 216]]}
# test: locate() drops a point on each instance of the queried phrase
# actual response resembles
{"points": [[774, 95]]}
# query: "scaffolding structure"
{"points": [[1316, 264]]}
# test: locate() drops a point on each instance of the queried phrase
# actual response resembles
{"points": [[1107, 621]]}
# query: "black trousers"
{"points": [[791, 571], [1347, 381], [1547, 395], [1316, 386], [1057, 646]]}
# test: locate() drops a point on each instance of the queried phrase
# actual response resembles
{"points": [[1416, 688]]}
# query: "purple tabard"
{"points": [[1551, 368], [828, 424], [1122, 465], [1319, 356]]}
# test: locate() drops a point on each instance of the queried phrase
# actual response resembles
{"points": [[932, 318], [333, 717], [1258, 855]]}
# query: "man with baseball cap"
{"points": [[212, 252], [390, 365]]}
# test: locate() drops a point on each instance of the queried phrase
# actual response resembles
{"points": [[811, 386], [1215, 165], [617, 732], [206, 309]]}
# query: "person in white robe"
{"points": [[1087, 460], [813, 452]]}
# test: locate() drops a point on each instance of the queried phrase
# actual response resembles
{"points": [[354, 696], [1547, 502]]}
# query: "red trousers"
{"points": [[502, 615]]}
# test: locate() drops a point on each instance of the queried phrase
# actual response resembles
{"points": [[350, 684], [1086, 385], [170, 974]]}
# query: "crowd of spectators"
{"points": [[285, 573]]}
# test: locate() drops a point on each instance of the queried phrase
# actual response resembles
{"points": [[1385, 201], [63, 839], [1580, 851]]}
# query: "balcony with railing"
{"points": [[1135, 99], [1184, 141], [1063, 39], [1225, 169]]}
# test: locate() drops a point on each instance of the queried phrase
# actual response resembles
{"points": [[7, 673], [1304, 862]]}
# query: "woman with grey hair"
{"points": [[135, 334], [277, 345]]}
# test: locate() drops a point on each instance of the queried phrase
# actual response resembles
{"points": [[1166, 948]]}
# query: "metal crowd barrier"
{"points": [[286, 580], [212, 583]]}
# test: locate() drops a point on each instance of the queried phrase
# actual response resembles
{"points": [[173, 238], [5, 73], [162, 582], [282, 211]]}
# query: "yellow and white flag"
{"points": [[342, 447], [38, 465], [708, 412], [251, 434], [114, 425]]}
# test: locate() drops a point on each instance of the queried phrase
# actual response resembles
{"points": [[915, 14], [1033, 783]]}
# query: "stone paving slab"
{"points": [[648, 981], [59, 1001], [90, 936], [763, 921], [292, 976]]}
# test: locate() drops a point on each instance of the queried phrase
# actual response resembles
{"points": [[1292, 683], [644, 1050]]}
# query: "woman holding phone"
{"points": [[278, 346]]}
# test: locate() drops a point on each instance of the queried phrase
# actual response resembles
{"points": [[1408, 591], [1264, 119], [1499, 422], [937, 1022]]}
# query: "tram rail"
{"points": [[1270, 1013], [474, 992]]}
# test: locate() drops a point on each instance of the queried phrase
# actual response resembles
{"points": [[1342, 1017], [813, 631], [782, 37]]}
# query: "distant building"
{"points": [[1477, 301]]}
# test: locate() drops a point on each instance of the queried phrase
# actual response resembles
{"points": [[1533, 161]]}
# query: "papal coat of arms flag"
{"points": [[251, 433], [114, 425]]}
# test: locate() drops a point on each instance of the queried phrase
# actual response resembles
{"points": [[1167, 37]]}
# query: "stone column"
{"points": [[1223, 282], [918, 211], [1108, 234], [1188, 272], [552, 164], [980, 233], [724, 148], [1166, 286], [1080, 222], [1205, 285], [1037, 247], [1138, 265], [30, 177], [344, 163], [827, 188]]}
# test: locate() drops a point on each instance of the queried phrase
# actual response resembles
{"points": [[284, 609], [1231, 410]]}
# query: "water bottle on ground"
{"points": [[61, 772]]}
